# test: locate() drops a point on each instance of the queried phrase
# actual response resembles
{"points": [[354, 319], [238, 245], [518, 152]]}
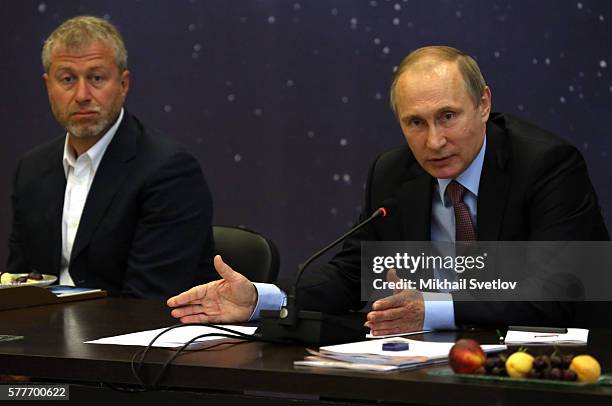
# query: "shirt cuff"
{"points": [[439, 311], [269, 297]]}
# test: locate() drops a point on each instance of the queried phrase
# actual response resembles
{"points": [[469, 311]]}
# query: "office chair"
{"points": [[247, 252]]}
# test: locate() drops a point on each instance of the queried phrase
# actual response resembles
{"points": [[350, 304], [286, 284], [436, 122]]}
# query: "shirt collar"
{"points": [[470, 178], [93, 154]]}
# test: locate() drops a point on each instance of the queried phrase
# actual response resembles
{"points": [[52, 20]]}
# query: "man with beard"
{"points": [[111, 204]]}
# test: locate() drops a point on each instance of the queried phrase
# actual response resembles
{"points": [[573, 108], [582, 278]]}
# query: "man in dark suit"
{"points": [[468, 174], [110, 205]]}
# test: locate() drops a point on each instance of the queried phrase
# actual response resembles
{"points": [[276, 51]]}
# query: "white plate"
{"points": [[46, 280]]}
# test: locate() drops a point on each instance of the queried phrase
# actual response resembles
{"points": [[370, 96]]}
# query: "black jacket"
{"points": [[146, 227], [534, 186]]}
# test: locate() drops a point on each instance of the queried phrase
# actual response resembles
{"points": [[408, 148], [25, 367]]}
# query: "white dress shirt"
{"points": [[80, 172]]}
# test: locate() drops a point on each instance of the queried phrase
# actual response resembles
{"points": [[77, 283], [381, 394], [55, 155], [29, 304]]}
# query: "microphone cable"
{"points": [[136, 365]]}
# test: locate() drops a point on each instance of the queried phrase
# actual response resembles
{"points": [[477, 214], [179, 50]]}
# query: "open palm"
{"points": [[230, 299]]}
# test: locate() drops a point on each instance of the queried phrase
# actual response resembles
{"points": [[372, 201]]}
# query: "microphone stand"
{"points": [[314, 328]]}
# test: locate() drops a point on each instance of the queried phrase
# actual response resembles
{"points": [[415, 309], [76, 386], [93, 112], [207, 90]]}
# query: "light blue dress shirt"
{"points": [[439, 311]]}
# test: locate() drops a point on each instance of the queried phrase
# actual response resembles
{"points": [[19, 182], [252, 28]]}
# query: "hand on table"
{"points": [[402, 312]]}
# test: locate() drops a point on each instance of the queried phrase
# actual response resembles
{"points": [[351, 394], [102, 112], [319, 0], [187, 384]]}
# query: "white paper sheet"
{"points": [[369, 355], [369, 335], [173, 338], [417, 348], [418, 352], [574, 336]]}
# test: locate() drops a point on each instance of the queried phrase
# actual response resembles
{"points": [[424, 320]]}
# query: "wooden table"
{"points": [[258, 373]]}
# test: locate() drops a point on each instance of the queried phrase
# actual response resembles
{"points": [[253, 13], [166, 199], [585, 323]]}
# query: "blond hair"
{"points": [[82, 31], [474, 81]]}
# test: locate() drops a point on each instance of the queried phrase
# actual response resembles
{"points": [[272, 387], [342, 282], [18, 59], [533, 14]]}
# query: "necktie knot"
{"points": [[455, 191]]}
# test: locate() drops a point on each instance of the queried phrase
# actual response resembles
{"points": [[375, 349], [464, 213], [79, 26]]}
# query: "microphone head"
{"points": [[389, 206]]}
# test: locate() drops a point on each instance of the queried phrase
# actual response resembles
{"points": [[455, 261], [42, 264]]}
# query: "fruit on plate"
{"points": [[34, 276], [554, 367], [12, 279], [519, 364], [7, 278], [586, 367], [466, 356]]}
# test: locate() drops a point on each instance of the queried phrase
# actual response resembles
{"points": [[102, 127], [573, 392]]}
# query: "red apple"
{"points": [[466, 356]]}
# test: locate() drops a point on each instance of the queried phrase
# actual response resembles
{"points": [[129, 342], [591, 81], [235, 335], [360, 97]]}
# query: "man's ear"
{"points": [[485, 104], [125, 82]]}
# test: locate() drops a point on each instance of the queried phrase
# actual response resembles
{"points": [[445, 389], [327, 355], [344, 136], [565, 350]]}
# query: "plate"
{"points": [[604, 379], [46, 280]]}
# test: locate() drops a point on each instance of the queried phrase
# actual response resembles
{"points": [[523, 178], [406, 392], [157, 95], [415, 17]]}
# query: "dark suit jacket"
{"points": [[533, 186], [146, 227]]}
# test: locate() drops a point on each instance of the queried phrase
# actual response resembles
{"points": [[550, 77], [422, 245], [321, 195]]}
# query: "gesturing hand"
{"points": [[230, 299]]}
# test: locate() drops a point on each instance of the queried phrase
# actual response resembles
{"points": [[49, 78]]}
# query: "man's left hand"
{"points": [[402, 312]]}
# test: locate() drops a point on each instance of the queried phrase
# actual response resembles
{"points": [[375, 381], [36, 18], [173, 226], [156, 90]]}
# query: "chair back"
{"points": [[247, 252]]}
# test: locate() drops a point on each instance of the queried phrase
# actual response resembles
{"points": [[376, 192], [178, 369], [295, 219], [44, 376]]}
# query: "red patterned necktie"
{"points": [[463, 222]]}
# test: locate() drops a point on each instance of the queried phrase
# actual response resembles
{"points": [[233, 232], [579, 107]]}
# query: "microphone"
{"points": [[292, 325]]}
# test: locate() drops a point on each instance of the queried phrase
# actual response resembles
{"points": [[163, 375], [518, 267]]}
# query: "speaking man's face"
{"points": [[86, 89], [441, 123]]}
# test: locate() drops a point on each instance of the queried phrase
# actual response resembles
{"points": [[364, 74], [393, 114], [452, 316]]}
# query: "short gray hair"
{"points": [[474, 81], [82, 31]]}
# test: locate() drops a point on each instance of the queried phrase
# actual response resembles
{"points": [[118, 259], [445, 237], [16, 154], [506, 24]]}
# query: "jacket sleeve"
{"points": [[172, 245], [16, 260]]}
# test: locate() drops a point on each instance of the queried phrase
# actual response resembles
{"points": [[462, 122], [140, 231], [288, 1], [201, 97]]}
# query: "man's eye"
{"points": [[97, 78], [415, 123], [67, 79], [449, 115]]}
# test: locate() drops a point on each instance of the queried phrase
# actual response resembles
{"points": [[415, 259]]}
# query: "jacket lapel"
{"points": [[494, 181], [111, 173]]}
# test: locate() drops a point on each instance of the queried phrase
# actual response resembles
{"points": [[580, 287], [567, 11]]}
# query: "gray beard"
{"points": [[89, 131]]}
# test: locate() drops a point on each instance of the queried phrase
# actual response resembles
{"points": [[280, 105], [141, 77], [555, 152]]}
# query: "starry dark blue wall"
{"points": [[285, 102]]}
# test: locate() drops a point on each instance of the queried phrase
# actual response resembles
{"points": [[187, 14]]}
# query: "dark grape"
{"points": [[496, 371], [555, 361], [21, 279], [569, 375], [480, 371], [555, 373], [567, 360], [490, 363], [540, 362]]}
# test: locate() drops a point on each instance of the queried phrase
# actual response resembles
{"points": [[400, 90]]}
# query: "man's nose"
{"points": [[435, 138], [83, 94]]}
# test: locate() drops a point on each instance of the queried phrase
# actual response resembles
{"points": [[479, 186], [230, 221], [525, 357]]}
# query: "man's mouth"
{"points": [[441, 160], [84, 113]]}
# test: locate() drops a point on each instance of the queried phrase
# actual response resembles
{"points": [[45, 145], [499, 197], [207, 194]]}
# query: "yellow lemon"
{"points": [[586, 367], [519, 364]]}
